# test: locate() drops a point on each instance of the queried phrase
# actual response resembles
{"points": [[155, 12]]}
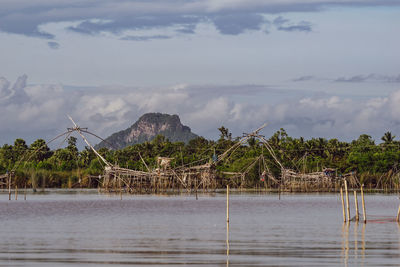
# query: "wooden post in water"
{"points": [[25, 192], [363, 203], [120, 186], [227, 203], [347, 200], [279, 191], [344, 212], [9, 186], [16, 192], [356, 205], [398, 215], [196, 187], [227, 220]]}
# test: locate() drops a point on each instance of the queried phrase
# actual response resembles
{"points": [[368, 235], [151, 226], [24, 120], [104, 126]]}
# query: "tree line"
{"points": [[374, 164]]}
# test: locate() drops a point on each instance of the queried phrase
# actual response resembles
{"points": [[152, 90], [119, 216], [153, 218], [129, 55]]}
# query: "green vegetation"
{"points": [[376, 165]]}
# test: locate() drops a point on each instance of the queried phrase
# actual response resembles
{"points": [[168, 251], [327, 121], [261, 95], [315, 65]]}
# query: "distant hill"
{"points": [[146, 128]]}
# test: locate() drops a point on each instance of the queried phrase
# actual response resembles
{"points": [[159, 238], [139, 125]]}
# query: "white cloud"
{"points": [[106, 110]]}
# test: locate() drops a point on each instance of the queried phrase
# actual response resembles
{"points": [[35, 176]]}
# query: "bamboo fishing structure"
{"points": [[164, 177], [200, 175]]}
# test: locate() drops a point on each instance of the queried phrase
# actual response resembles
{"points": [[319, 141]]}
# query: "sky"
{"points": [[317, 68]]}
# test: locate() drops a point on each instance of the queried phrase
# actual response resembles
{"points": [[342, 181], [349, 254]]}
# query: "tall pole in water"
{"points": [[347, 200], [356, 205], [363, 203], [343, 209], [227, 203], [227, 221], [9, 185]]}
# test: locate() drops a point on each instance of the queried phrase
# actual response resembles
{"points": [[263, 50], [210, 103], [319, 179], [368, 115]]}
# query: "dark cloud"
{"points": [[23, 22], [356, 79], [303, 78], [26, 17], [370, 78], [283, 24], [53, 45], [145, 38], [235, 24], [373, 77]]}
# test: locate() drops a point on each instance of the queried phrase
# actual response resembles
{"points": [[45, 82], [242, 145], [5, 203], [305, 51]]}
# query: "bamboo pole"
{"points": [[344, 212], [356, 205], [227, 224], [363, 203], [16, 192], [196, 187], [9, 186], [227, 203], [347, 200], [120, 186], [398, 215]]}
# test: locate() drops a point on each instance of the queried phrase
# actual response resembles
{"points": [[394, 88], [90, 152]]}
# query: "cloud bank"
{"points": [[39, 111], [361, 78], [26, 17]]}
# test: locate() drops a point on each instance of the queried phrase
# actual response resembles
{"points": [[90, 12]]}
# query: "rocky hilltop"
{"points": [[146, 128]]}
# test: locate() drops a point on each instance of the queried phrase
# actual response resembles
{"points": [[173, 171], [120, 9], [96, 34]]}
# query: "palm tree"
{"points": [[388, 138]]}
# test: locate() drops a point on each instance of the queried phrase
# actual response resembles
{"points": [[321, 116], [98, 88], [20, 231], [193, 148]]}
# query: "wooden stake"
{"points": [[227, 203], [356, 205], [398, 215], [347, 200], [279, 191], [16, 192], [9, 186], [196, 187], [25, 192], [363, 203], [344, 212]]}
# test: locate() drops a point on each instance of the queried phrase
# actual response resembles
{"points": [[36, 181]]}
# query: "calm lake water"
{"points": [[85, 228]]}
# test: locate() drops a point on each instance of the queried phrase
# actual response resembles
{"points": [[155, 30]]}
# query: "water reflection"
{"points": [[227, 244], [363, 242], [370, 249], [298, 230], [346, 243]]}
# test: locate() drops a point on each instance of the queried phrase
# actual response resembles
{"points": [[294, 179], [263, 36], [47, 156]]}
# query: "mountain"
{"points": [[146, 128]]}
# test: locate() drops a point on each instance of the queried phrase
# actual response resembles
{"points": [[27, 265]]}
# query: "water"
{"points": [[85, 228]]}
